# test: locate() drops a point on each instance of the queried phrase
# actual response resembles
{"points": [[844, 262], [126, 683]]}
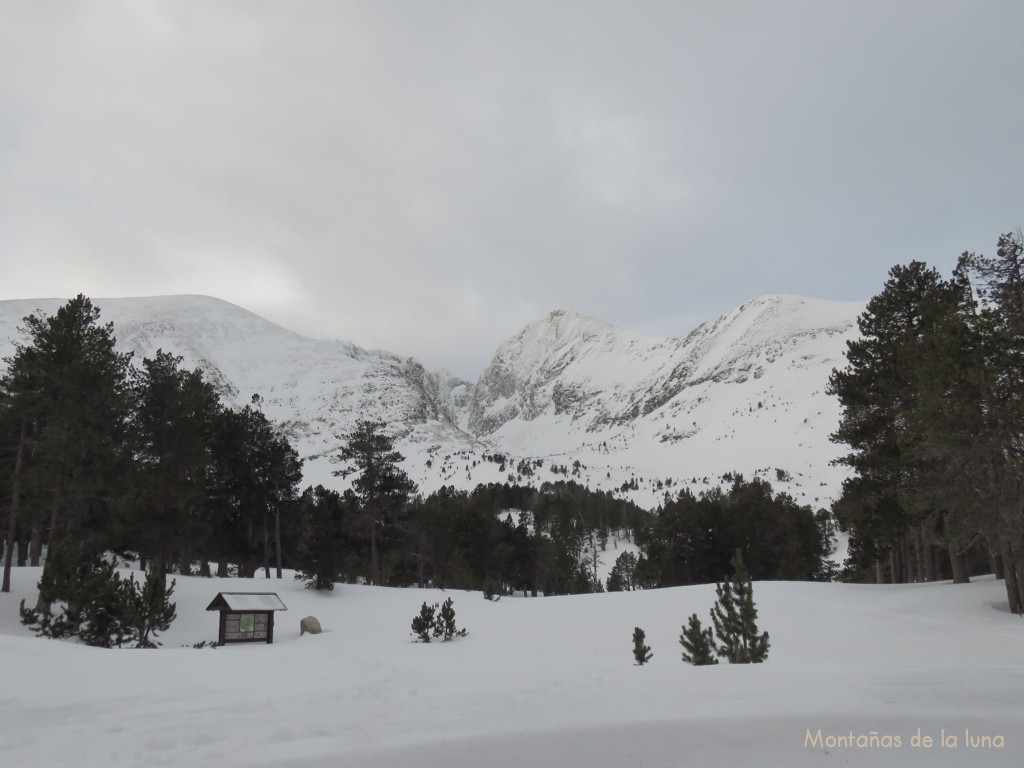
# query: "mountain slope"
{"points": [[316, 389], [570, 396], [743, 392]]}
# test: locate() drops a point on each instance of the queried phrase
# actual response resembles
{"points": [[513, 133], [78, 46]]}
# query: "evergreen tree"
{"points": [[445, 627], [65, 392], [97, 606], [621, 578], [172, 429], [997, 314], [381, 485], [641, 653], [150, 609], [257, 475], [735, 618], [323, 546], [877, 389], [698, 643], [950, 436], [424, 623]]}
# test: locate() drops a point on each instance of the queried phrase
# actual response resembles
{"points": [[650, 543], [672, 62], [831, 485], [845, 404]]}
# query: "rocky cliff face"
{"points": [[743, 392], [597, 376]]}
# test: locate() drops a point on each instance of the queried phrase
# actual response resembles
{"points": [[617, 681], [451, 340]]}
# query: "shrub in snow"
{"points": [[641, 653], [97, 606], [445, 627], [423, 624], [437, 621], [698, 643]]}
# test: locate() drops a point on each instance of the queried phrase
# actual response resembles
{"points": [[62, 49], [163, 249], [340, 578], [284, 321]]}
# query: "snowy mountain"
{"points": [[744, 392], [569, 397]]}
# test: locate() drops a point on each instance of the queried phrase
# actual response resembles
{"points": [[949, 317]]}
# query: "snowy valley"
{"points": [[537, 682]]}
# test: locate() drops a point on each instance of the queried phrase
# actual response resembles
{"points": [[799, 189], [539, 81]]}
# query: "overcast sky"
{"points": [[429, 177]]}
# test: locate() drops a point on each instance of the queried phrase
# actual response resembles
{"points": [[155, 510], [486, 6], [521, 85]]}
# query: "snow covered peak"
{"points": [[574, 364], [543, 347], [742, 392]]}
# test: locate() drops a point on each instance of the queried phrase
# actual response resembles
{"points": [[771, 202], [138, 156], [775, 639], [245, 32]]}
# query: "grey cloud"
{"points": [[427, 178]]}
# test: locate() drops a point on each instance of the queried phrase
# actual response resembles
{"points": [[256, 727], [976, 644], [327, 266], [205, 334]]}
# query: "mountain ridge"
{"points": [[742, 392]]}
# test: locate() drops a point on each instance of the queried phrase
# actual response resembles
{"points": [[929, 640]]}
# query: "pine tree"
{"points": [[382, 486], [877, 389], [735, 619], [65, 393], [172, 431], [698, 643], [423, 624], [322, 549], [445, 625], [150, 609], [641, 653], [98, 606], [997, 313], [257, 475], [621, 578]]}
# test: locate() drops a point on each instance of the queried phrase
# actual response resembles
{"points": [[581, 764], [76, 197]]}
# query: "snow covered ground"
{"points": [[537, 682]]}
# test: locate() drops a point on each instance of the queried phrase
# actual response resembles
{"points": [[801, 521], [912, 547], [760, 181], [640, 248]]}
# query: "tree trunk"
{"points": [[43, 606], [997, 564], [12, 524], [8, 556], [879, 572], [266, 546], [222, 569], [22, 550], [1016, 564], [958, 561], [374, 572], [918, 567], [35, 550], [930, 569], [277, 540], [1010, 574], [9, 553], [204, 568], [905, 575]]}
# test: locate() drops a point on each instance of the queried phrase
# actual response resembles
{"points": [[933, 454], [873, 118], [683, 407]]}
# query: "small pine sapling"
{"points": [[423, 624], [150, 608], [445, 626], [698, 643], [641, 653], [735, 618], [437, 621]]}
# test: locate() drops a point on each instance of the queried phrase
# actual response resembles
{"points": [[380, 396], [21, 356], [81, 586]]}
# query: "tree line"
{"points": [[692, 539], [497, 537], [933, 416], [554, 539]]}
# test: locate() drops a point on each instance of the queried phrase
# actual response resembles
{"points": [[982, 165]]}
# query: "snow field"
{"points": [[545, 681]]}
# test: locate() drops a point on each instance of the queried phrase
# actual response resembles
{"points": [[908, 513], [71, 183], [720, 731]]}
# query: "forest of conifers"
{"points": [[933, 415]]}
